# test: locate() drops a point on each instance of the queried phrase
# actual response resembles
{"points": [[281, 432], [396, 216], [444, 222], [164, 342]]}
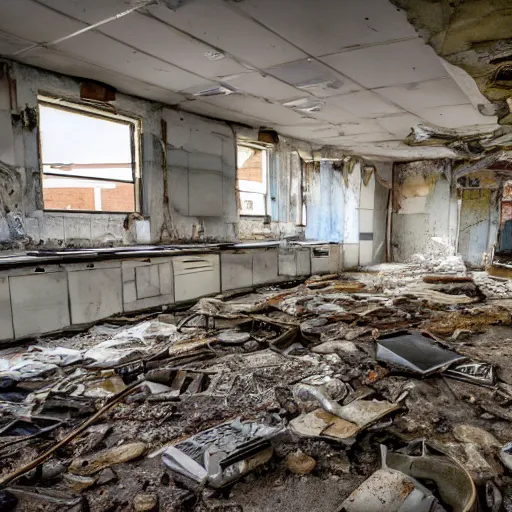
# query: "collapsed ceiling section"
{"points": [[351, 75], [474, 35]]}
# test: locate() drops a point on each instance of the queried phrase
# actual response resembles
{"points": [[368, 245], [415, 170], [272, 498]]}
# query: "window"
{"points": [[252, 180], [89, 159]]}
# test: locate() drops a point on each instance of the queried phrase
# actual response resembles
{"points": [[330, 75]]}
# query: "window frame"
{"points": [[135, 125], [265, 171]]}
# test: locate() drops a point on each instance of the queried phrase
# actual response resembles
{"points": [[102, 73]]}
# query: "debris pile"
{"points": [[386, 389]]}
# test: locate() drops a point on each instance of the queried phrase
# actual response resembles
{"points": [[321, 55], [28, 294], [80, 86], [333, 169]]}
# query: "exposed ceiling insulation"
{"points": [[347, 73]]}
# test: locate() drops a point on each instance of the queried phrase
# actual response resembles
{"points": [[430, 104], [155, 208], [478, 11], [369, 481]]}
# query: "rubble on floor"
{"points": [[384, 389]]}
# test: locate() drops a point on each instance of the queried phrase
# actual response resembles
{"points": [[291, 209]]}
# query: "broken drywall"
{"points": [[383, 174], [475, 35], [424, 210], [479, 217]]}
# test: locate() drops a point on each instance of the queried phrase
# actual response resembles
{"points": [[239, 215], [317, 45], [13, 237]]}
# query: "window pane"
{"points": [[67, 193], [251, 170], [113, 171], [76, 145], [73, 138]]}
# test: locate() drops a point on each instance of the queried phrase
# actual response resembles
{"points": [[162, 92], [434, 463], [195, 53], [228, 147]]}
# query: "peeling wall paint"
{"points": [[432, 217], [333, 201], [479, 219], [325, 202], [284, 198], [380, 213], [352, 197], [430, 227]]}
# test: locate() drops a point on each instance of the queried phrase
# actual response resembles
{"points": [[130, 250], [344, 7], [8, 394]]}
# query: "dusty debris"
{"points": [[493, 497], [470, 319], [222, 454], [478, 373], [78, 483], [307, 393], [145, 502], [343, 422], [300, 463], [319, 375], [454, 484], [390, 490], [475, 435], [106, 477], [94, 463]]}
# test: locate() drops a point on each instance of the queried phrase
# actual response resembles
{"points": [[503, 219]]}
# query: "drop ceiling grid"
{"points": [[347, 63], [120, 21], [77, 48], [123, 20]]}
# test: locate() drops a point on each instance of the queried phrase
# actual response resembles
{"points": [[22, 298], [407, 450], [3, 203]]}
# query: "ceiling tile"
{"points": [[364, 104], [372, 137], [360, 126], [214, 22], [51, 59], [455, 116], [313, 77], [402, 152], [99, 49], [89, 11], [326, 26], [207, 109], [10, 44], [334, 114], [400, 125], [390, 64], [352, 142], [186, 52], [264, 86], [41, 25], [418, 96], [257, 108], [312, 132]]}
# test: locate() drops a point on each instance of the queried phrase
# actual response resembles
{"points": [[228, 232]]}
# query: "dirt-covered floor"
{"points": [[86, 419]]}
